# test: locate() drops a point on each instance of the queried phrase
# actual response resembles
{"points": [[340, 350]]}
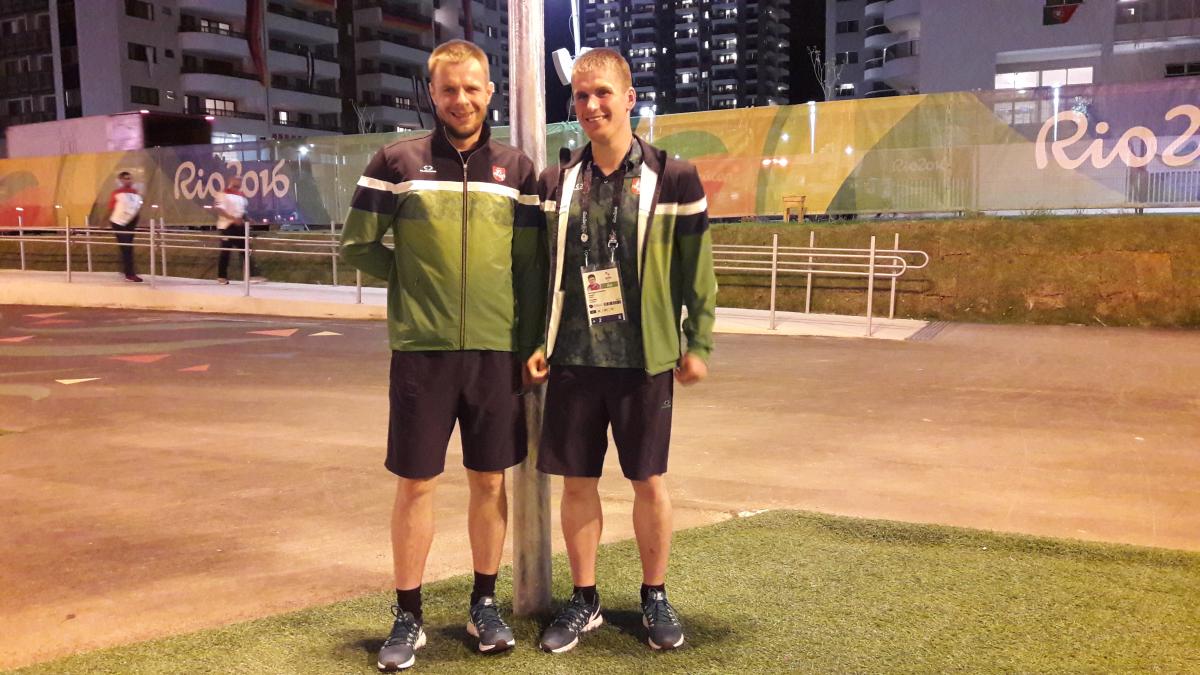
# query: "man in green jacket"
{"points": [[465, 274], [628, 240]]}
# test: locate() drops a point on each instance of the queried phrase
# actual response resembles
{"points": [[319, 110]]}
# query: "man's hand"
{"points": [[691, 370], [536, 369]]}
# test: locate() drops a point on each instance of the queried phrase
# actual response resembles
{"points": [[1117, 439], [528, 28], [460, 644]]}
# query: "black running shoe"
{"points": [[660, 619], [399, 650], [576, 618], [487, 625]]}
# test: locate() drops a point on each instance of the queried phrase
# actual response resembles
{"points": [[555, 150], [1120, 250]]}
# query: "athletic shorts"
{"points": [[429, 391], [582, 402]]}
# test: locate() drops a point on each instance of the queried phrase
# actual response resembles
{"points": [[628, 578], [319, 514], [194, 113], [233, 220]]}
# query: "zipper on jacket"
{"points": [[462, 311]]}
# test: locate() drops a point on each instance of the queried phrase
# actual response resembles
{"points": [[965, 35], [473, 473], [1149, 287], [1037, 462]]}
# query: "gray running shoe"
{"points": [[399, 650], [576, 618], [660, 619], [486, 624]]}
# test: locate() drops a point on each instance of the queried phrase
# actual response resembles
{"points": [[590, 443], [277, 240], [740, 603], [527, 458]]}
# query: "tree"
{"points": [[827, 74]]}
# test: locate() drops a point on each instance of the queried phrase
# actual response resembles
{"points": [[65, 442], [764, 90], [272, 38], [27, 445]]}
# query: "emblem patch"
{"points": [[498, 173], [636, 186]]}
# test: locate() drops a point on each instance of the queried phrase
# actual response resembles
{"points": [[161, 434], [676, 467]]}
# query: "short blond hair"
{"points": [[604, 59], [458, 51]]}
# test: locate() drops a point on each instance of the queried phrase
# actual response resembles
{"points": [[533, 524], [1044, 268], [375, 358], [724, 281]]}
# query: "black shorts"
{"points": [[581, 403], [430, 390]]}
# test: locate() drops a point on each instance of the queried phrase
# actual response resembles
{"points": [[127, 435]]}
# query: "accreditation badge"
{"points": [[602, 293]]}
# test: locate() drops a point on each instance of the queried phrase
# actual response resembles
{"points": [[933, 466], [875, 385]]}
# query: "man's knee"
{"points": [[653, 488], [579, 488], [485, 483], [409, 490]]}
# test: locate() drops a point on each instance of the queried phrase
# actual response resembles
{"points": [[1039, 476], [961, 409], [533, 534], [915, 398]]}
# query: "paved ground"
{"points": [[213, 473]]}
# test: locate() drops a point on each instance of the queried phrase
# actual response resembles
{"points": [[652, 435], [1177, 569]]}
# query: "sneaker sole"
{"points": [[654, 645], [409, 663], [595, 623], [493, 648]]}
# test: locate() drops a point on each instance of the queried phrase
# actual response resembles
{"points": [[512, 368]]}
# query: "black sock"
{"points": [[662, 588], [485, 585], [410, 601], [589, 593]]}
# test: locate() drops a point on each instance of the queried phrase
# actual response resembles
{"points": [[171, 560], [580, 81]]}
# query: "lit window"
{"points": [[1079, 75], [1006, 81], [1054, 78], [1026, 80]]}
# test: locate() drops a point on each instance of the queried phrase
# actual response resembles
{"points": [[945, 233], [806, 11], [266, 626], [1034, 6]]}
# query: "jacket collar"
{"points": [[651, 156], [443, 146]]}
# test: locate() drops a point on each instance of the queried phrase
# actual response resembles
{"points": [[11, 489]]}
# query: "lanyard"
{"points": [[618, 179]]}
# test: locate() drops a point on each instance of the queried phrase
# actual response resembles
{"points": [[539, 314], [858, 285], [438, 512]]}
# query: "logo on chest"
{"points": [[498, 173], [636, 186], [428, 169]]}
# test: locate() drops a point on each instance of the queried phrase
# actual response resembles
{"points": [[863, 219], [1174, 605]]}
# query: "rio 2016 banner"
{"points": [[1076, 147]]}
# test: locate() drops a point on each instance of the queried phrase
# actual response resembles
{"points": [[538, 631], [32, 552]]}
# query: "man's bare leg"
{"points": [[582, 524], [652, 527], [487, 519], [412, 530]]}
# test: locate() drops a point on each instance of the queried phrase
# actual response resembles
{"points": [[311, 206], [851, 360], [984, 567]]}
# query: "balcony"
{"points": [[300, 26], [29, 41], [902, 15], [388, 47], [390, 116], [224, 9], [26, 118], [216, 112], [387, 82], [874, 8], [213, 42], [300, 124], [878, 37], [293, 97], [35, 82], [900, 66], [225, 84], [1144, 21], [283, 62], [388, 13]]}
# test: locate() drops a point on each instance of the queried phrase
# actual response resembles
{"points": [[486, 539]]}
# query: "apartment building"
{"points": [[689, 55], [889, 47], [331, 66]]}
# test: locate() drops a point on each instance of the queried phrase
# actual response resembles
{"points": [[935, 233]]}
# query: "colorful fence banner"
{"points": [[1075, 147]]}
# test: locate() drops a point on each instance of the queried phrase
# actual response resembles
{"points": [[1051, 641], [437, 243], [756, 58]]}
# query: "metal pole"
{"points": [[812, 238], [892, 303], [871, 288], [531, 490], [774, 273], [152, 252], [87, 227], [162, 244], [21, 239], [246, 257], [334, 257], [358, 287], [67, 239]]}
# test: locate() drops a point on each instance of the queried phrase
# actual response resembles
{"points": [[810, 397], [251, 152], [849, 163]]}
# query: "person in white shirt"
{"points": [[231, 223], [124, 205]]}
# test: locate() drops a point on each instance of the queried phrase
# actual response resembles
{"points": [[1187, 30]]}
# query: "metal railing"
{"points": [[159, 239], [810, 261]]}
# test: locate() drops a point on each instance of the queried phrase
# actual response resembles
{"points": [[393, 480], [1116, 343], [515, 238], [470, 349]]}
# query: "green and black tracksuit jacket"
{"points": [[675, 263], [466, 270]]}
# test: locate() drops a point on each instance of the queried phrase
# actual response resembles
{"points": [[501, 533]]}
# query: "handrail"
{"points": [[870, 263]]}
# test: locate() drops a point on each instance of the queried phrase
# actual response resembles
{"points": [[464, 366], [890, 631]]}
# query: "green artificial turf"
{"points": [[778, 592]]}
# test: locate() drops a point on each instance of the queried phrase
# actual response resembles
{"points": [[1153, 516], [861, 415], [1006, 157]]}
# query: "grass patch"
{"points": [[779, 592]]}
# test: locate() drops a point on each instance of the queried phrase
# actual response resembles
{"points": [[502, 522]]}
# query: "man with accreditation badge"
{"points": [[627, 232]]}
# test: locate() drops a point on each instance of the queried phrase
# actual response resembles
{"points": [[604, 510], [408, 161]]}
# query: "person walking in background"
{"points": [[231, 223], [124, 205]]}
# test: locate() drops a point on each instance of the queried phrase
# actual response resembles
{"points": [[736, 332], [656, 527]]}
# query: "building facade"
{"points": [[689, 55], [332, 66], [889, 47]]}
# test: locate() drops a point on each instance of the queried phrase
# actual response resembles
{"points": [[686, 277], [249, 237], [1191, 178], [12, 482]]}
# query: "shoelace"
{"points": [[404, 630], [575, 615], [487, 617], [659, 611]]}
